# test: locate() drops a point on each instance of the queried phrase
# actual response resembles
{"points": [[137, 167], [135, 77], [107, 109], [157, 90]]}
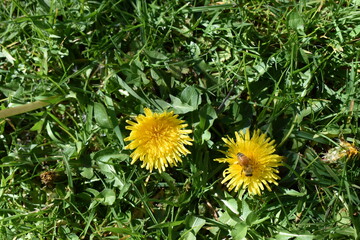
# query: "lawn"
{"points": [[135, 119]]}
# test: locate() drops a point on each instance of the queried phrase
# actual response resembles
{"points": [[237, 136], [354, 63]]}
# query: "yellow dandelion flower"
{"points": [[252, 162], [157, 139]]}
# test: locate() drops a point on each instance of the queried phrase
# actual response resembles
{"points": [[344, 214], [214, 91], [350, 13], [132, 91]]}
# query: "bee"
{"points": [[245, 162]]}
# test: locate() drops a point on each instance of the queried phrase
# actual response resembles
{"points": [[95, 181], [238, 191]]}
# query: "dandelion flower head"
{"points": [[157, 139], [252, 162]]}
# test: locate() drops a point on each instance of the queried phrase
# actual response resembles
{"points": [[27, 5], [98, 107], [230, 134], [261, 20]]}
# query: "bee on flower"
{"points": [[252, 162]]}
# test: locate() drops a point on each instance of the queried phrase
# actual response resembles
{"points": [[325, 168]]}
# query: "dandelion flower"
{"points": [[252, 162], [158, 139]]}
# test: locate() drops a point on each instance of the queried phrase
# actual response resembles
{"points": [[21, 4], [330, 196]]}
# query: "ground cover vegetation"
{"points": [[75, 72]]}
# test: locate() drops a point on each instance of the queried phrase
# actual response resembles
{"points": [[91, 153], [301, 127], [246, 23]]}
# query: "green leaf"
{"points": [[155, 55], [107, 154], [87, 173], [180, 107], [230, 203], [124, 230], [239, 231], [191, 96], [94, 192], [207, 116], [124, 85], [8, 56], [193, 225], [112, 117], [38, 125], [283, 235], [296, 22], [51, 133], [251, 218], [163, 104], [294, 193], [167, 224], [101, 116], [208, 8], [355, 32], [8, 112], [106, 166], [227, 219], [109, 196]]}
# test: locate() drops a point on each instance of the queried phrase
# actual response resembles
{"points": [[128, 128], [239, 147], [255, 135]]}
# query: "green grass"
{"points": [[289, 68]]}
